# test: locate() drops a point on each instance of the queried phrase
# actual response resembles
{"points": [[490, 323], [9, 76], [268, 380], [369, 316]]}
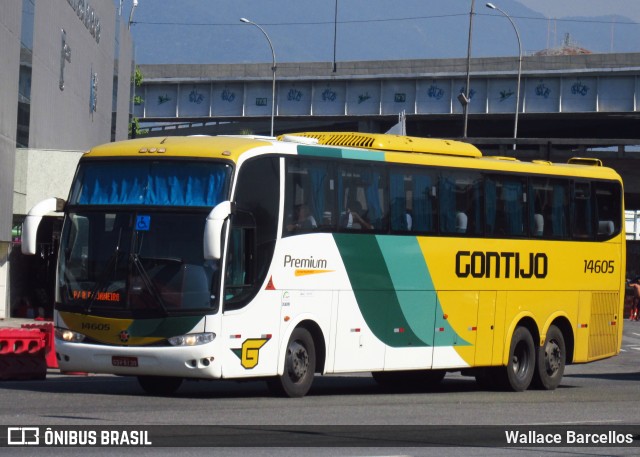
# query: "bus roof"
{"points": [[442, 152], [222, 147], [353, 145], [391, 143]]}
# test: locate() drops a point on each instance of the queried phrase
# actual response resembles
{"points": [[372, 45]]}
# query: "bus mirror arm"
{"points": [[213, 229], [33, 219]]}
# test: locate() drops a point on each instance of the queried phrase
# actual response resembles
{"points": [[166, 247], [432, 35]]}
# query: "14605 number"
{"points": [[599, 266]]}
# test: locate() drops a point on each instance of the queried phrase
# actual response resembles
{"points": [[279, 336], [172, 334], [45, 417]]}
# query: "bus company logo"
{"points": [[249, 353], [23, 436], [481, 264], [124, 336]]}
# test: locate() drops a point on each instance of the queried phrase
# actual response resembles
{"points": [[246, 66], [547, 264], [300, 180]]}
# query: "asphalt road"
{"points": [[342, 415]]}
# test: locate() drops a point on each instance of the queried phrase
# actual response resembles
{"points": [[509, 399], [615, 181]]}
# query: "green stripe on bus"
{"points": [[412, 283], [375, 156], [374, 290], [335, 153], [316, 151], [394, 290], [415, 290]]}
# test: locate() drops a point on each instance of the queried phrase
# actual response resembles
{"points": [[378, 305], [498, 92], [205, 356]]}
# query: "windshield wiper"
{"points": [[148, 282]]}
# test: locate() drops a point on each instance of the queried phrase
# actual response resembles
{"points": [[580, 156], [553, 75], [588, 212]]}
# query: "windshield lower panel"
{"points": [[146, 263]]}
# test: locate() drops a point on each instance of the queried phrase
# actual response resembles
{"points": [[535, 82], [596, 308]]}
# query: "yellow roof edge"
{"points": [[229, 148]]}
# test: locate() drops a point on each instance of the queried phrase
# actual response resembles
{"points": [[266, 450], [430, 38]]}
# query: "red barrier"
{"points": [[49, 342], [22, 354]]}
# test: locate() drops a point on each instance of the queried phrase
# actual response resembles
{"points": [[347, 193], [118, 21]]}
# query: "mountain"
{"points": [[209, 31]]}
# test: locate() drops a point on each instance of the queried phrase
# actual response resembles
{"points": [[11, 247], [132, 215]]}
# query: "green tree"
{"points": [[134, 125]]}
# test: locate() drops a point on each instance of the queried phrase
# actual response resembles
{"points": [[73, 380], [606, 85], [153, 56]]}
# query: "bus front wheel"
{"points": [[299, 366], [159, 385], [522, 360], [551, 360]]}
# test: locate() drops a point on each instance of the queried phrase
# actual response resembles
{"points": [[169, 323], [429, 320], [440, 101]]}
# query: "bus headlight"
{"points": [[69, 336], [193, 339]]}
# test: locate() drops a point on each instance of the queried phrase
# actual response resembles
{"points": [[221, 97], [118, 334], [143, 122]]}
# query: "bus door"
{"points": [[250, 307], [246, 327]]}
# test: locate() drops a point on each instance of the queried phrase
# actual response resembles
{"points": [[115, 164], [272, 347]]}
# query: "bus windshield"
{"points": [[148, 262], [132, 239]]}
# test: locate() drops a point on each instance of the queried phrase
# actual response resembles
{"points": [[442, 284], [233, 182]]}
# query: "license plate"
{"points": [[121, 361]]}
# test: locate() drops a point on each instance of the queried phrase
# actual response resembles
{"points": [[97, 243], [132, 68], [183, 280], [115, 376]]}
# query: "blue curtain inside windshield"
{"points": [[150, 183]]}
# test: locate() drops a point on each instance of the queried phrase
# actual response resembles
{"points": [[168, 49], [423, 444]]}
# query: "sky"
{"points": [[588, 8], [209, 31]]}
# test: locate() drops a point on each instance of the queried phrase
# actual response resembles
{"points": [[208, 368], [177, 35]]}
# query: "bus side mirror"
{"points": [[213, 230], [33, 219]]}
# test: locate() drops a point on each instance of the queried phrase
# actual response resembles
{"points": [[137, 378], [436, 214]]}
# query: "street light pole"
{"points": [[464, 98], [335, 35], [515, 127], [273, 69], [133, 8]]}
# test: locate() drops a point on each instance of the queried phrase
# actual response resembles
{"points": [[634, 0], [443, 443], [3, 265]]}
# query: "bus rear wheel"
{"points": [[299, 366], [522, 361], [551, 360], [159, 385]]}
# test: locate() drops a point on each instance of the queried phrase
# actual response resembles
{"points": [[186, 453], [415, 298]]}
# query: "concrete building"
{"points": [[64, 86]]}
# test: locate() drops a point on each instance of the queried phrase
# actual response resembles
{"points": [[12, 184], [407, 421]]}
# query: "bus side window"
{"points": [[537, 213], [460, 203], [608, 206], [400, 215], [424, 204], [240, 262], [582, 219], [550, 199], [310, 196], [362, 189], [559, 208], [505, 206], [447, 204]]}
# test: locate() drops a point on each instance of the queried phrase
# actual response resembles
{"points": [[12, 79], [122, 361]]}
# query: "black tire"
{"points": [[519, 371], [409, 379], [299, 366], [159, 385], [550, 361]]}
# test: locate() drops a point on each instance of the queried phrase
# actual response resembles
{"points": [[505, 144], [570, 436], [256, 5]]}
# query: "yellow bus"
{"points": [[237, 257]]}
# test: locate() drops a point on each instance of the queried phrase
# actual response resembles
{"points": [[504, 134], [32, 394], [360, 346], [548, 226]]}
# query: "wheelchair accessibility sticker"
{"points": [[143, 223]]}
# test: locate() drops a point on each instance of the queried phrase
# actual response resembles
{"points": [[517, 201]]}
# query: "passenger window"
{"points": [[362, 198], [310, 198], [460, 203], [549, 207], [581, 217], [505, 206], [608, 208], [413, 201]]}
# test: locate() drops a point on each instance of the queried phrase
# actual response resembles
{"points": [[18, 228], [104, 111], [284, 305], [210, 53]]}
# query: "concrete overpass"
{"points": [[570, 105]]}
